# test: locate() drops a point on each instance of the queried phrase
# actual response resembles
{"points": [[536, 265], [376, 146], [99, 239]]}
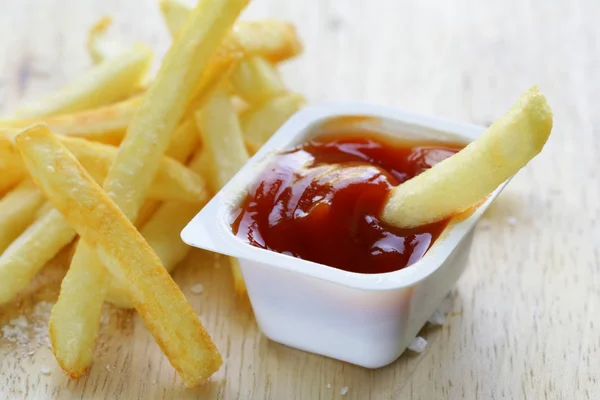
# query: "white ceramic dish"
{"points": [[364, 319]]}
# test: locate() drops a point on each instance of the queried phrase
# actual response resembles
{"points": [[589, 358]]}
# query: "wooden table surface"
{"points": [[526, 314]]}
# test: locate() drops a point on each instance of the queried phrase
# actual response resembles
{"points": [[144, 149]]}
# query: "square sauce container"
{"points": [[363, 319]]}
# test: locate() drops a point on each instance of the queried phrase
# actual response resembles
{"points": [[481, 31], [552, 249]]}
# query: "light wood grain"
{"points": [[526, 320]]}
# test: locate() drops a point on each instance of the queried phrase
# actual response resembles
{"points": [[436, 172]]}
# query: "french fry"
{"points": [[173, 181], [222, 138], [11, 171], [106, 124], [25, 256], [256, 80], [162, 232], [99, 45], [175, 14], [261, 121], [123, 250], [221, 64], [184, 141], [43, 210], [271, 39], [73, 332], [17, 211], [462, 180], [105, 83], [44, 235]]}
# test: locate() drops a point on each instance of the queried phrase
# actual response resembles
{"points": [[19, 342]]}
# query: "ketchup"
{"points": [[322, 202]]}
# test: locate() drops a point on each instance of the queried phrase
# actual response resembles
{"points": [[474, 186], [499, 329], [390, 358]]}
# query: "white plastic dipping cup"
{"points": [[363, 319]]}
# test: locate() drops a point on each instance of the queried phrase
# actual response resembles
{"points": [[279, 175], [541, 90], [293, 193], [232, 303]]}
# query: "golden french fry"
{"points": [[105, 124], [173, 181], [263, 120], [45, 235], [17, 211], [272, 39], [105, 83], [11, 171], [256, 80], [221, 64], [127, 184], [99, 45], [146, 212], [222, 138], [162, 232], [122, 249], [184, 141], [175, 14], [25, 256], [462, 180], [43, 210]]}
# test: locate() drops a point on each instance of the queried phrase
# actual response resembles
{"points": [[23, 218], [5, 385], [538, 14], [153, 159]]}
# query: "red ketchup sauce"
{"points": [[322, 200]]}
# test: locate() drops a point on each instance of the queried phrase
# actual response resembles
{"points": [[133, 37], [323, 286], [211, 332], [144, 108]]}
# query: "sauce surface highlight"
{"points": [[321, 201]]}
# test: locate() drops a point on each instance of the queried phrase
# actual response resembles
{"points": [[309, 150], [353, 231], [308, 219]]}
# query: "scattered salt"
{"points": [[108, 367], [197, 288], [344, 390], [329, 386], [20, 322], [418, 345], [437, 318], [42, 309], [45, 370], [512, 221], [15, 330]]}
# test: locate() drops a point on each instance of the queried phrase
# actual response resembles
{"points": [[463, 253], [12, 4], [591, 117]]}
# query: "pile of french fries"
{"points": [[124, 161]]}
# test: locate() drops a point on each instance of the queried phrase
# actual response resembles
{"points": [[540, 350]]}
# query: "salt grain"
{"points": [[418, 345], [197, 288], [45, 370], [329, 386], [344, 390], [108, 367], [512, 221]]}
